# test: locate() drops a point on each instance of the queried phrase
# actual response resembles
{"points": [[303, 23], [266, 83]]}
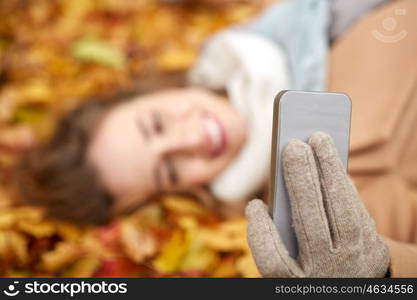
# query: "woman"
{"points": [[174, 140], [381, 161]]}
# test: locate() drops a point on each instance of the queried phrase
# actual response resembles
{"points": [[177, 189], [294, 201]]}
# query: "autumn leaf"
{"points": [[7, 219], [138, 243], [183, 205], [169, 259], [246, 266], [198, 257], [68, 232], [13, 248], [94, 50], [36, 229], [60, 257], [176, 58], [227, 236], [118, 267], [84, 267], [227, 268]]}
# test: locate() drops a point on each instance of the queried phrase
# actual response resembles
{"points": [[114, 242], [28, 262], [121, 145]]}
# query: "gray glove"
{"points": [[336, 236]]}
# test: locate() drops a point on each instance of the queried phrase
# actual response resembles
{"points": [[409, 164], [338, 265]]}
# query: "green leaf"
{"points": [[94, 50], [29, 115]]}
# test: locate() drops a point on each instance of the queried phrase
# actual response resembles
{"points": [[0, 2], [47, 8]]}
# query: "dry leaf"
{"points": [[37, 229], [148, 216], [169, 260], [227, 236], [63, 255], [198, 257], [182, 205], [227, 268], [27, 213], [138, 243], [246, 266], [13, 248], [93, 246], [68, 232], [7, 219], [176, 58], [84, 267]]}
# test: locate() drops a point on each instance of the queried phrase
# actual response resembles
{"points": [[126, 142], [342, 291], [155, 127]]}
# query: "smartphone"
{"points": [[297, 115]]}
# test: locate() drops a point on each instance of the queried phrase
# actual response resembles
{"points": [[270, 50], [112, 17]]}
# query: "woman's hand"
{"points": [[336, 236]]}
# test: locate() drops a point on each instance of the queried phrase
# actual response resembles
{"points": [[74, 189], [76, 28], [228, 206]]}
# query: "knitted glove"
{"points": [[336, 236]]}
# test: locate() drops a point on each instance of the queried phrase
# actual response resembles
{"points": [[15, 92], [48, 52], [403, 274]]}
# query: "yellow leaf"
{"points": [[182, 205], [226, 268], [188, 223], [28, 213], [61, 256], [169, 260], [84, 267], [37, 229], [91, 245], [17, 274], [137, 242], [148, 216], [246, 266], [227, 236], [38, 91], [19, 245], [176, 58], [241, 13], [68, 232], [7, 219], [198, 257], [13, 247]]}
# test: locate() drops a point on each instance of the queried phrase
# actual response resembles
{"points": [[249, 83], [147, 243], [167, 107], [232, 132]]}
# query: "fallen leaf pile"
{"points": [[55, 54], [175, 236]]}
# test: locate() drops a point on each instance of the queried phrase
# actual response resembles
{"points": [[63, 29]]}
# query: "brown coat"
{"points": [[381, 79]]}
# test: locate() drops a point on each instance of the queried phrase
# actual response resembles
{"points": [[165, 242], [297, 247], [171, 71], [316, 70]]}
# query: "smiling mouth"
{"points": [[215, 135]]}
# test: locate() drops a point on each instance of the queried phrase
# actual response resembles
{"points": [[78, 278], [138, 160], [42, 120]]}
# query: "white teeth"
{"points": [[215, 133]]}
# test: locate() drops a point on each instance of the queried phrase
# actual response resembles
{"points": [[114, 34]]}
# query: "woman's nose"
{"points": [[185, 138], [187, 141]]}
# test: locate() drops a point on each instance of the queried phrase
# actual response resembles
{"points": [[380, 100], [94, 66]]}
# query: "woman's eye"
{"points": [[158, 126]]}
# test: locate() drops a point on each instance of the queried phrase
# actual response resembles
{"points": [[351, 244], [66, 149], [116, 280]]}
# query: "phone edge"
{"points": [[274, 152]]}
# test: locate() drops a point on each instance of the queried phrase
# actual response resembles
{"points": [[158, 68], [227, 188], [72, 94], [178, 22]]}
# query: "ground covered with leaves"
{"points": [[175, 236], [55, 54]]}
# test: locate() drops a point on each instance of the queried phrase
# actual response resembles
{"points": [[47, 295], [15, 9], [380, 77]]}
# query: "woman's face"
{"points": [[165, 142]]}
